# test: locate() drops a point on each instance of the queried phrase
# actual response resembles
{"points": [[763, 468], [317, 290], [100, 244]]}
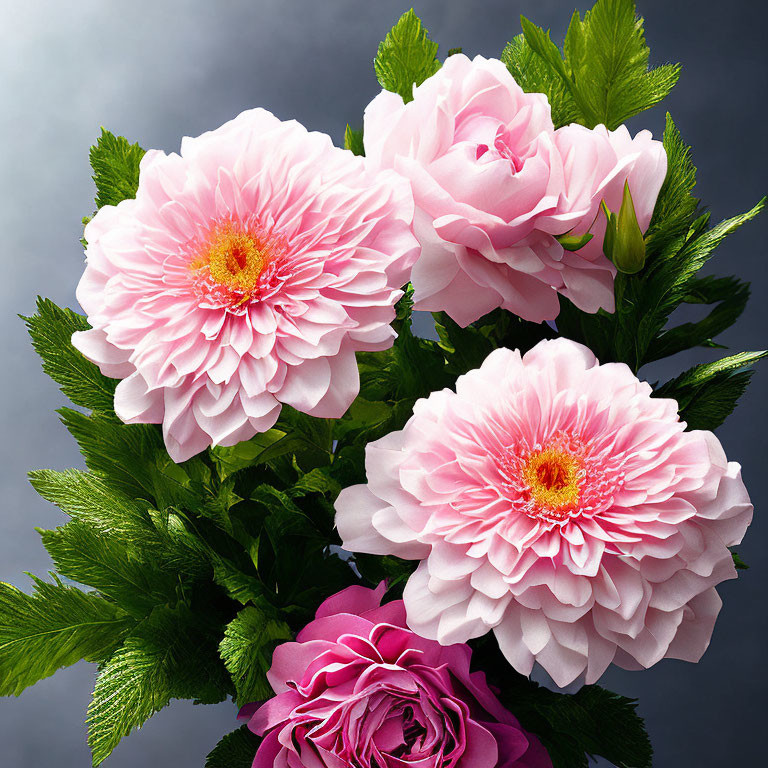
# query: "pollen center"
{"points": [[233, 263], [235, 259], [553, 479]]}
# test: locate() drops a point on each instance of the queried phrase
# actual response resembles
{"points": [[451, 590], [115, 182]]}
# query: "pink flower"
{"points": [[494, 183], [245, 274], [597, 163], [359, 689], [555, 501]]}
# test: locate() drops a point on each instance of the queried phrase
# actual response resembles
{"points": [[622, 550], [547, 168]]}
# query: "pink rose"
{"points": [[494, 183], [357, 688], [556, 502]]}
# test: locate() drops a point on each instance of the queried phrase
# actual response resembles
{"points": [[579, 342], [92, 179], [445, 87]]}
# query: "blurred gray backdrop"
{"points": [[157, 70]]}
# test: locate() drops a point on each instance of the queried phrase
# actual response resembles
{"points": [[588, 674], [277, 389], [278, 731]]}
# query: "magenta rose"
{"points": [[358, 688]]}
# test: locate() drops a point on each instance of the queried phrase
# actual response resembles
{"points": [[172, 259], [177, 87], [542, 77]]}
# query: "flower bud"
{"points": [[623, 243], [574, 242]]}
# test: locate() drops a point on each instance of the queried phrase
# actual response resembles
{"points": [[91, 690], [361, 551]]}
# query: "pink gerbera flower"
{"points": [[556, 502], [245, 275]]}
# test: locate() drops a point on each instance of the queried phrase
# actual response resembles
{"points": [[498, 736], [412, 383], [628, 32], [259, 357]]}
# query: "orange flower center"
{"points": [[553, 477], [234, 258]]}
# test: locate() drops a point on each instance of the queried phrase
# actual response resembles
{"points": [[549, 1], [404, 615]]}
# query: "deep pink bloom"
{"points": [[555, 501], [494, 183], [357, 688], [245, 274]]}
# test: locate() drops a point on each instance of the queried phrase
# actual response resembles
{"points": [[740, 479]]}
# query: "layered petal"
{"points": [[245, 274], [494, 185], [554, 501], [358, 688]]}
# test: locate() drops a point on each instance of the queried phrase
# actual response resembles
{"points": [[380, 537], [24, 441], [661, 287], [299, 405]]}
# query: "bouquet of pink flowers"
{"points": [[366, 523]]}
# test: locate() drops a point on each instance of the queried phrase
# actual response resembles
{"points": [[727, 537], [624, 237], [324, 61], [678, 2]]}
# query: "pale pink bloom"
{"points": [[494, 183], [555, 501], [357, 688], [245, 275]]}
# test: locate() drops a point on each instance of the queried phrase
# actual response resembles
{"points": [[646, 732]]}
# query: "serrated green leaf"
{"points": [[708, 393], [235, 750], [88, 498], [132, 459], [316, 481], [284, 517], [249, 640], [231, 459], [576, 728], [603, 724], [605, 64], [110, 565], [55, 627], [171, 654], [728, 294], [644, 302], [80, 380], [466, 348], [243, 587], [533, 75], [160, 536], [353, 141], [675, 206], [611, 74], [701, 374], [115, 164], [406, 57]]}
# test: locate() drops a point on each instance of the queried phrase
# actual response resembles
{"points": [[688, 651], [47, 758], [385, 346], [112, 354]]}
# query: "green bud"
{"points": [[623, 243], [574, 242]]}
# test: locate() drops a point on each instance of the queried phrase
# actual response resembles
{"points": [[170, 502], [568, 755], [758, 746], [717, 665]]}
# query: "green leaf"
{"points": [[284, 518], [172, 654], [131, 458], [534, 75], [88, 498], [635, 333], [55, 627], [316, 481], [738, 562], [242, 587], [671, 276], [235, 750], [708, 393], [406, 57], [604, 66], [231, 459], [161, 537], [80, 380], [611, 74], [576, 728], [466, 348], [249, 640], [115, 165], [110, 565], [728, 294], [603, 724], [353, 141], [675, 205]]}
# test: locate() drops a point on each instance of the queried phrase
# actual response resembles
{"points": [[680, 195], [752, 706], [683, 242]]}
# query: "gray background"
{"points": [[155, 71]]}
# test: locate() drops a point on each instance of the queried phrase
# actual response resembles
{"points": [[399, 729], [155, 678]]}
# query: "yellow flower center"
{"points": [[234, 258], [553, 476]]}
